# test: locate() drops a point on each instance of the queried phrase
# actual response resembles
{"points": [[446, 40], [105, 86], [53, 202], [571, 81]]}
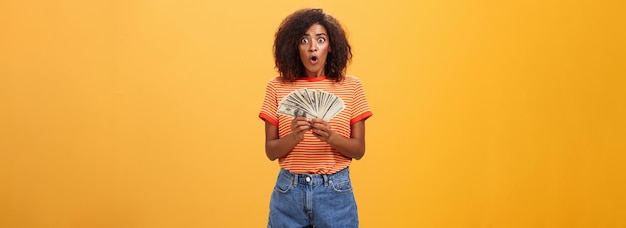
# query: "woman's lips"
{"points": [[314, 60]]}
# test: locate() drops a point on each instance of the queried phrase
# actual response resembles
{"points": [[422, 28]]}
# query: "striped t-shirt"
{"points": [[312, 155]]}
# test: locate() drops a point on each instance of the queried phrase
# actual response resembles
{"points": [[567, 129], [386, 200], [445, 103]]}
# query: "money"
{"points": [[311, 104]]}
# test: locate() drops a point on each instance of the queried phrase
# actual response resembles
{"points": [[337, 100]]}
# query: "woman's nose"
{"points": [[313, 46]]}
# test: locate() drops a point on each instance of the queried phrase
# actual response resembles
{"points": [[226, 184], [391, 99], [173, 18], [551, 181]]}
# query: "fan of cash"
{"points": [[311, 104]]}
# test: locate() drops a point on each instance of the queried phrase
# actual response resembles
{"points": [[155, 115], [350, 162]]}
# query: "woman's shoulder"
{"points": [[274, 80], [352, 79]]}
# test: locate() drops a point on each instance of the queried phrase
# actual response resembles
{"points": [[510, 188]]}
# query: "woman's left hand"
{"points": [[322, 130]]}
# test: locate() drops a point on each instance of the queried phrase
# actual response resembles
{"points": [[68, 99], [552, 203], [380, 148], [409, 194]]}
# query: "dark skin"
{"points": [[353, 147]]}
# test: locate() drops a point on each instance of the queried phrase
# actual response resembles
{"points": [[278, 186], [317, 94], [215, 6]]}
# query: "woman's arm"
{"points": [[353, 147]]}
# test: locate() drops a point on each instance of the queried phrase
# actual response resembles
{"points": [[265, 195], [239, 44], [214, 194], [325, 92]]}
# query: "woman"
{"points": [[313, 188]]}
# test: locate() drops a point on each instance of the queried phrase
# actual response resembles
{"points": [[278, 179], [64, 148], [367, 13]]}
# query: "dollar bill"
{"points": [[311, 104]]}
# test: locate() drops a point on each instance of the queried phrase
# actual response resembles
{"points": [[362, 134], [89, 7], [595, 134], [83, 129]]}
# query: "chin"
{"points": [[315, 70]]}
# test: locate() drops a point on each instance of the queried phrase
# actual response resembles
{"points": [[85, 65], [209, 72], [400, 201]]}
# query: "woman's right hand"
{"points": [[299, 126]]}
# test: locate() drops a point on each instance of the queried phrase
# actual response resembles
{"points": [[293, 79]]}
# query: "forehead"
{"points": [[316, 29]]}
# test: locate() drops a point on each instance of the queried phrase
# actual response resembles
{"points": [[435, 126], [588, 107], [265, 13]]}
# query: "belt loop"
{"points": [[295, 179], [325, 177]]}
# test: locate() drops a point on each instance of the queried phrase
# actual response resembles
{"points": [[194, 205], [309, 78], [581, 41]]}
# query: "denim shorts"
{"points": [[313, 200]]}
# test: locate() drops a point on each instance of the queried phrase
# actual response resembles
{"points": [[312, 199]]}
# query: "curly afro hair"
{"points": [[287, 38]]}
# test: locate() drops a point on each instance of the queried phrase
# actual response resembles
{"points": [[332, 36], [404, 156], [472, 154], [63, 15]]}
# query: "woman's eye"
{"points": [[321, 40], [304, 40]]}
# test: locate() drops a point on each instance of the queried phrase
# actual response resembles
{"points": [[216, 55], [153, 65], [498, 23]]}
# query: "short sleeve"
{"points": [[361, 109], [269, 109]]}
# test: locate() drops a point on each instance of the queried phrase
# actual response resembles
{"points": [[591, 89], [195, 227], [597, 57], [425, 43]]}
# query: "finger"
{"points": [[299, 121], [321, 133], [295, 120], [320, 137], [303, 123], [318, 121], [295, 127], [299, 128], [321, 126], [300, 118]]}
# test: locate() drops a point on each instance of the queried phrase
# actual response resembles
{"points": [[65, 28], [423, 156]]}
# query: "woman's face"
{"points": [[314, 47]]}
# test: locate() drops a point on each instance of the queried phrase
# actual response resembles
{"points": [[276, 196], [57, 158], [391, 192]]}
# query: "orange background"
{"points": [[144, 113]]}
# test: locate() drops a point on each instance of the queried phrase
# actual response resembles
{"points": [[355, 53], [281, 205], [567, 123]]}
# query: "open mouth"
{"points": [[314, 59]]}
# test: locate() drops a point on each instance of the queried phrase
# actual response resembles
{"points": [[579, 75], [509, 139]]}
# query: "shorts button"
{"points": [[308, 179]]}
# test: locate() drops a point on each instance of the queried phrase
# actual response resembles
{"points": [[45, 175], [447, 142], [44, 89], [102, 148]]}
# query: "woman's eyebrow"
{"points": [[319, 34]]}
